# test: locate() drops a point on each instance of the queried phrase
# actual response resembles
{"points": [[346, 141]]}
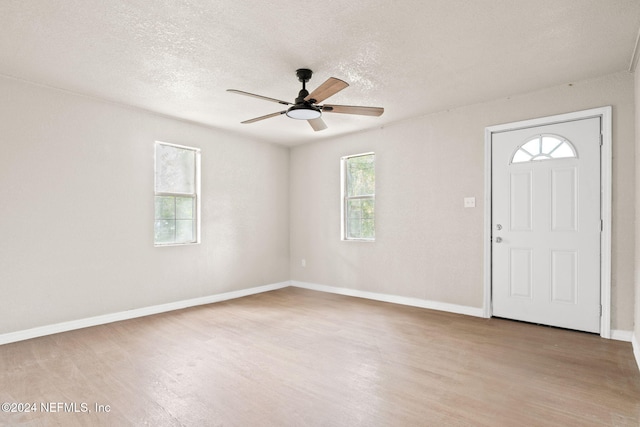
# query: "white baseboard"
{"points": [[132, 314], [636, 348], [621, 335], [414, 302]]}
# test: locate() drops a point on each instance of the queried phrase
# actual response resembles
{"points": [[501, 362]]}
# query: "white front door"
{"points": [[546, 224]]}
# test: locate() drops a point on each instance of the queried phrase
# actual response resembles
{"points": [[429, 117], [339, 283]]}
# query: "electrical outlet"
{"points": [[303, 262], [469, 202]]}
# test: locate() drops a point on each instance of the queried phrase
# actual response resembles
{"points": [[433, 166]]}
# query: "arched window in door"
{"points": [[544, 147]]}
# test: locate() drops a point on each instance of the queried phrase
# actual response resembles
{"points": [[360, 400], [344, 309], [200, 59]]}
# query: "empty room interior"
{"points": [[449, 239]]}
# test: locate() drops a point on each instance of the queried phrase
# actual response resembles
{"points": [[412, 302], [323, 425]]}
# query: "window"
{"points": [[177, 198], [358, 197], [544, 147]]}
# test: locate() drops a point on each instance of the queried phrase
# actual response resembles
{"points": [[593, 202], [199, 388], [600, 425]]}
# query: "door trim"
{"points": [[604, 113]]}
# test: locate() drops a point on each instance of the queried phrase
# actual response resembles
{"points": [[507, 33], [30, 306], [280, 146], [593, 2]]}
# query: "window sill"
{"points": [[164, 245]]}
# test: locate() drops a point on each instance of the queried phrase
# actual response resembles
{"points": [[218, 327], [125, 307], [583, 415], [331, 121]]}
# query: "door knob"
{"points": [[498, 239]]}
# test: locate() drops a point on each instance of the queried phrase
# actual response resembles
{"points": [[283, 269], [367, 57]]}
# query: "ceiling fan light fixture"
{"points": [[303, 112]]}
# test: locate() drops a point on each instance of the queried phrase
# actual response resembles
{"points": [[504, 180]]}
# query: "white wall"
{"points": [[636, 329], [76, 210], [76, 191], [428, 245]]}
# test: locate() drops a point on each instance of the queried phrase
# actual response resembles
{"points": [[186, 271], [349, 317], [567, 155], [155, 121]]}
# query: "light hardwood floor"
{"points": [[295, 357]]}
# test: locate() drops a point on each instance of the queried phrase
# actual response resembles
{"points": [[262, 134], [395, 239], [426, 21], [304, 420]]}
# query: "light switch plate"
{"points": [[469, 202]]}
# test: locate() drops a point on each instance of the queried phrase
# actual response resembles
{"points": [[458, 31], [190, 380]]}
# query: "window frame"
{"points": [[344, 199], [195, 195]]}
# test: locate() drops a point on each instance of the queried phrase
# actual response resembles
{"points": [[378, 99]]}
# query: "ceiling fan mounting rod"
{"points": [[304, 75]]}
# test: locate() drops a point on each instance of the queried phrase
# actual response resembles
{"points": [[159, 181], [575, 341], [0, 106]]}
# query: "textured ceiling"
{"points": [[412, 57]]}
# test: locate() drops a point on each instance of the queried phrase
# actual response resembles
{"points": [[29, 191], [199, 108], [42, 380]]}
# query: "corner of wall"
{"points": [[635, 340]]}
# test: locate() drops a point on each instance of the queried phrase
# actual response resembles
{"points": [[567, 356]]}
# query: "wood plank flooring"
{"points": [[295, 357]]}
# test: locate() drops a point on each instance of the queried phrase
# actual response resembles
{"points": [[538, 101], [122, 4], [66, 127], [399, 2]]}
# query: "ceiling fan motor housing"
{"points": [[301, 96]]}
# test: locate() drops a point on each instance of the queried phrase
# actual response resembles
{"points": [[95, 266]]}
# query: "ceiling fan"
{"points": [[306, 105]]}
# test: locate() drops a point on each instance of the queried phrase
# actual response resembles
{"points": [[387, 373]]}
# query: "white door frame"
{"points": [[604, 113]]}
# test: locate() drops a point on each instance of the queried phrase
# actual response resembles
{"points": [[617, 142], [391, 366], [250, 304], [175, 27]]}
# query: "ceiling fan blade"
{"points": [[329, 88], [253, 95], [351, 109], [317, 124], [257, 119]]}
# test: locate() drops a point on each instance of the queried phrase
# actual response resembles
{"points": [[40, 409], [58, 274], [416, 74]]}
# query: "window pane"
{"points": [[367, 208], [184, 231], [360, 219], [185, 207], [354, 209], [175, 169], [361, 175], [354, 230], [532, 146], [368, 230], [563, 151], [549, 143], [165, 207], [165, 231], [520, 157]]}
